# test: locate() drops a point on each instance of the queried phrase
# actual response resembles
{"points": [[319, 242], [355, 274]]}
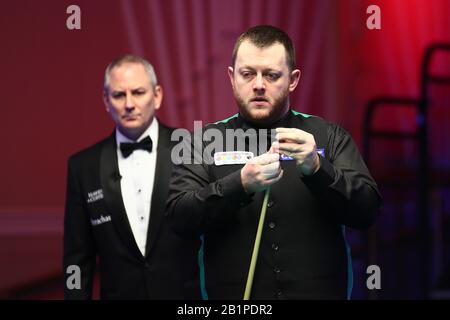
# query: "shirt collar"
{"points": [[285, 121]]}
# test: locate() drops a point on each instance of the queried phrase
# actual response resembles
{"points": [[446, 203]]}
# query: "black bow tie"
{"points": [[127, 148]]}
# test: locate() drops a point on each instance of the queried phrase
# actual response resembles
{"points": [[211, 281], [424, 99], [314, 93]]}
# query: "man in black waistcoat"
{"points": [[318, 182]]}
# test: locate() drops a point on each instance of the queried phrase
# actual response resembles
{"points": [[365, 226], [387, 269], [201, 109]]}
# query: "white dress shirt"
{"points": [[138, 175]]}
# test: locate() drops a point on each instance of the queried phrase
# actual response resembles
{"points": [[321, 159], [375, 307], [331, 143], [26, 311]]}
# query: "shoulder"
{"points": [[315, 123], [90, 153], [165, 135], [311, 120], [165, 129], [230, 122]]}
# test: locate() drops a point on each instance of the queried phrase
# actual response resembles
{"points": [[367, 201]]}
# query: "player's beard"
{"points": [[275, 112]]}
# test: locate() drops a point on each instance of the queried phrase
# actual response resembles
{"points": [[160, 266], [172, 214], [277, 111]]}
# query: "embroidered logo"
{"points": [[95, 195], [101, 220], [284, 157], [321, 152]]}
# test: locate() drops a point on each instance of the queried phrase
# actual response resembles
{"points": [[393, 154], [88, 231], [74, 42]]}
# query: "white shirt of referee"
{"points": [[138, 175]]}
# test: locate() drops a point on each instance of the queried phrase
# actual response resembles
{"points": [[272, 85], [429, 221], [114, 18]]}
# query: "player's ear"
{"points": [[106, 100], [231, 75], [294, 79], [158, 93]]}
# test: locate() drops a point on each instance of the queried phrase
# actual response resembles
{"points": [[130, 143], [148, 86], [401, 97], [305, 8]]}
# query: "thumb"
{"points": [[274, 148]]}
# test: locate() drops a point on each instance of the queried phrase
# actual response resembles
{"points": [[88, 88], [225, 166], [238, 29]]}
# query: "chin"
{"points": [[260, 116], [131, 129], [260, 113], [132, 125]]}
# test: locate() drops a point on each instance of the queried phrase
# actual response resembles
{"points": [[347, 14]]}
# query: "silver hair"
{"points": [[130, 59]]}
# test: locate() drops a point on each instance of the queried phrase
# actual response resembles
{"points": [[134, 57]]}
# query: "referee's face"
{"points": [[261, 82], [131, 99]]}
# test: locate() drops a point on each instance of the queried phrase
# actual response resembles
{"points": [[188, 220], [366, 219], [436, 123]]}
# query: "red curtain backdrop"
{"points": [[51, 82]]}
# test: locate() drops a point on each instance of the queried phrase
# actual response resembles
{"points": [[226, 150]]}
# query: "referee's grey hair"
{"points": [[129, 58]]}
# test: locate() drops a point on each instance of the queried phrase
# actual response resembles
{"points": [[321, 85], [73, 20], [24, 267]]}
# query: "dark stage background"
{"points": [[51, 106]]}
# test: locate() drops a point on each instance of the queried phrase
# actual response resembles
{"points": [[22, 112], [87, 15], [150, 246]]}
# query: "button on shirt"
{"points": [[138, 173]]}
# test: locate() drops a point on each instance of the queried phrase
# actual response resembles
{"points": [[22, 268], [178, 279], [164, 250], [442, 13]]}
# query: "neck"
{"points": [[269, 123], [134, 134]]}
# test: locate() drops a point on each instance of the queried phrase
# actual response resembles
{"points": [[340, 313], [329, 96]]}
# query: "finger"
{"points": [[290, 147], [296, 137], [266, 158], [277, 178], [274, 147], [281, 130], [268, 171]]}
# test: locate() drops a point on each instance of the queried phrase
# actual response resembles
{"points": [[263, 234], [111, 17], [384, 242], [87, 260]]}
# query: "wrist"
{"points": [[244, 182], [309, 170]]}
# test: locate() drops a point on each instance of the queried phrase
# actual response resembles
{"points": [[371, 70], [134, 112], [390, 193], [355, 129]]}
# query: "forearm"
{"points": [[195, 204], [79, 256], [350, 196]]}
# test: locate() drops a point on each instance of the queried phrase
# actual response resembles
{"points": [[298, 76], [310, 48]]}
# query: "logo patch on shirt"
{"points": [[232, 157], [101, 220], [321, 152], [284, 157], [95, 196]]}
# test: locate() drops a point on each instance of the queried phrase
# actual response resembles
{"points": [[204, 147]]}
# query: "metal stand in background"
{"points": [[421, 104]]}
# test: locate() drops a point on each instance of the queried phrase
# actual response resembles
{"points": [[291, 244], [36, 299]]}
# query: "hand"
{"points": [[261, 172], [301, 146]]}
